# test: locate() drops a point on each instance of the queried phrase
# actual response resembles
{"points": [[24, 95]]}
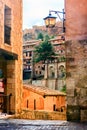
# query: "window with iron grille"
{"points": [[7, 25]]}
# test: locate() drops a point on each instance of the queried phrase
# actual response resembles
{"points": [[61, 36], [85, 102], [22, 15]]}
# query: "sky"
{"points": [[35, 10]]}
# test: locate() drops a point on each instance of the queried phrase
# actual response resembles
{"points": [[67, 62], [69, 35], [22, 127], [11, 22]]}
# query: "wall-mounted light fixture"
{"points": [[50, 20]]}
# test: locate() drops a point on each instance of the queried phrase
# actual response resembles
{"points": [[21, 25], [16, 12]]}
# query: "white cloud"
{"points": [[35, 11]]}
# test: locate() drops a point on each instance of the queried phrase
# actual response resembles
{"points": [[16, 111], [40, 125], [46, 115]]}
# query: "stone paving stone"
{"points": [[14, 124]]}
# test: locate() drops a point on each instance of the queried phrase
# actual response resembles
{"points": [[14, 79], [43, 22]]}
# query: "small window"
{"points": [[38, 66], [39, 72], [54, 107], [30, 54], [43, 67], [26, 53], [7, 25], [34, 104], [27, 103]]}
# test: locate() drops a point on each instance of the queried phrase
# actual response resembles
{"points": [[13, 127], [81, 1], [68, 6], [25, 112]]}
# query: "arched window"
{"points": [[51, 72], [61, 72]]}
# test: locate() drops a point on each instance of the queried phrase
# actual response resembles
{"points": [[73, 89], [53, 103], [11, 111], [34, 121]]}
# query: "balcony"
{"points": [[27, 70]]}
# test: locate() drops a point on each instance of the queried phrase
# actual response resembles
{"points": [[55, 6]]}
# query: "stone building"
{"points": [[55, 71], [31, 69], [32, 33], [44, 72], [76, 53], [10, 55], [42, 98], [29, 43]]}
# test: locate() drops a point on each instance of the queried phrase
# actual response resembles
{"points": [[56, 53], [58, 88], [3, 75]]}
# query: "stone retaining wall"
{"points": [[44, 115], [51, 83]]}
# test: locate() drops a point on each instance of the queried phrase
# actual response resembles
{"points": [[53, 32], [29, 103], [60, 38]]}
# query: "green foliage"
{"points": [[64, 89], [63, 58], [52, 36], [44, 51], [47, 37], [40, 36]]}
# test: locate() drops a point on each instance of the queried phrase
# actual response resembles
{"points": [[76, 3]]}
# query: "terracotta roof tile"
{"points": [[43, 90]]}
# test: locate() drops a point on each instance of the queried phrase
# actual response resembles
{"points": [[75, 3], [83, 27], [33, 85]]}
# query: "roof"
{"points": [[32, 41], [43, 90]]}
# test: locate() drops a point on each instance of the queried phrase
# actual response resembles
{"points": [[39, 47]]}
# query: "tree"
{"points": [[40, 36], [47, 37], [44, 51]]}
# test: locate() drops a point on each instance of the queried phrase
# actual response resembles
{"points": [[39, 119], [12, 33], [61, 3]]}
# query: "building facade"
{"points": [[76, 54], [10, 56], [50, 74], [42, 98], [31, 69], [55, 71]]}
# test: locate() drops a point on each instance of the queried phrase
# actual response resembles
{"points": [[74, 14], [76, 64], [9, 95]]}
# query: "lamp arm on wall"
{"points": [[62, 19], [58, 12], [51, 20]]}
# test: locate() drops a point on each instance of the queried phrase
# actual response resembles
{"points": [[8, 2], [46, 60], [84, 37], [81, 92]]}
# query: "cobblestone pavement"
{"points": [[19, 124]]}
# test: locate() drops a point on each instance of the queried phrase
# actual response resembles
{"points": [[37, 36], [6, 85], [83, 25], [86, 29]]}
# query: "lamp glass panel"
{"points": [[46, 22], [52, 21]]}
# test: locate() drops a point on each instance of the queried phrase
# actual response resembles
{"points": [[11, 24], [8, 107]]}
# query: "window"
{"points": [[28, 61], [26, 53], [27, 103], [30, 54], [38, 66], [61, 72], [34, 104], [54, 107], [7, 25], [51, 72], [43, 67], [39, 72]]}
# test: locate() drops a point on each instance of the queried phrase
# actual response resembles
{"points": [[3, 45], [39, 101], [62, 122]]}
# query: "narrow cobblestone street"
{"points": [[19, 124]]}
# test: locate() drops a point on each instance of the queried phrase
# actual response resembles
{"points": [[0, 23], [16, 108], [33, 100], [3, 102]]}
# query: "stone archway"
{"points": [[61, 72], [51, 71], [7, 84]]}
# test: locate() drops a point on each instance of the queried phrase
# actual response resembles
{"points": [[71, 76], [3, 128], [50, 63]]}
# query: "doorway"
{"points": [[4, 98]]}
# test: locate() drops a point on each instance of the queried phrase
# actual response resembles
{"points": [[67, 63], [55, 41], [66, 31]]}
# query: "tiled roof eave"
{"points": [[53, 95], [43, 93]]}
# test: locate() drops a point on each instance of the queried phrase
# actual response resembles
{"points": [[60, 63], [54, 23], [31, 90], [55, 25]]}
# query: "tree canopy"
{"points": [[40, 36], [44, 51]]}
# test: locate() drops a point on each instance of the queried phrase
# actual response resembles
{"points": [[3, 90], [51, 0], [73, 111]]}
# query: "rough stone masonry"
{"points": [[76, 54]]}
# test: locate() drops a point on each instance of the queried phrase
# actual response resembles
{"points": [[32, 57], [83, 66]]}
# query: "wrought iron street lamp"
{"points": [[50, 20]]}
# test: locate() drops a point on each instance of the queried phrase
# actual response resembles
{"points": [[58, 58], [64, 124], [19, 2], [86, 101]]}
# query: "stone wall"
{"points": [[10, 83], [13, 66], [76, 53], [41, 115], [76, 19], [51, 83]]}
